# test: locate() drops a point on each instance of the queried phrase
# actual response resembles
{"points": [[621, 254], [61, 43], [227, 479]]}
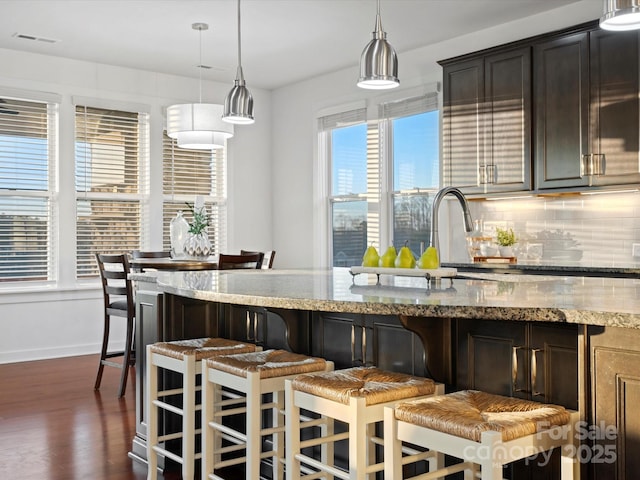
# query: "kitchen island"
{"points": [[559, 339]]}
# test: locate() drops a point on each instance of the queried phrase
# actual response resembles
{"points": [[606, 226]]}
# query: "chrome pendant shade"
{"points": [[378, 62], [198, 125], [238, 105], [621, 15]]}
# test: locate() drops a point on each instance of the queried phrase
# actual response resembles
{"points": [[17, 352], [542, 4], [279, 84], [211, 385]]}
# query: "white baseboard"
{"points": [[57, 352]]}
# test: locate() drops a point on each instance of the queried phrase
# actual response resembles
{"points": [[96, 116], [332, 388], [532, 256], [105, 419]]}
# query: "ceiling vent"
{"points": [[34, 38]]}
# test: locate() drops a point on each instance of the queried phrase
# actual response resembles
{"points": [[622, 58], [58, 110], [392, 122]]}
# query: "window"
{"points": [[111, 152], [188, 173], [383, 174], [28, 154]]}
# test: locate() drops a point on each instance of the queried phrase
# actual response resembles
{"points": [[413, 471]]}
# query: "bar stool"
{"points": [[185, 358], [481, 429], [356, 396], [251, 375]]}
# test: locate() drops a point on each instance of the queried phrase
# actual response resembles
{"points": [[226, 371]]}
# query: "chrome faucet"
{"points": [[435, 208]]}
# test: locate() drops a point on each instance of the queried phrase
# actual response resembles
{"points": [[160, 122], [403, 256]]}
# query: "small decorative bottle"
{"points": [[178, 231]]}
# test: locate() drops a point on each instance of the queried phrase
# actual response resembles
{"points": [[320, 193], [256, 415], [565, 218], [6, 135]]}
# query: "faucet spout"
{"points": [[435, 209]]}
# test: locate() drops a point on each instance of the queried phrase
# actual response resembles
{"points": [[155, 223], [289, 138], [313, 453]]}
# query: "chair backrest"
{"points": [[266, 260], [228, 262], [117, 288], [149, 254]]}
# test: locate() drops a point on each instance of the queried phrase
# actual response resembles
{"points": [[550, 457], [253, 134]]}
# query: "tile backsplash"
{"points": [[587, 230]]}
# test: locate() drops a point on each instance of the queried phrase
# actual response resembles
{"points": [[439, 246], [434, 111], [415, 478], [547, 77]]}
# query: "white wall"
{"points": [[296, 235], [66, 319]]}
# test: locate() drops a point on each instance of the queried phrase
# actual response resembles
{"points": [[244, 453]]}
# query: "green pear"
{"points": [[371, 257], [388, 258], [429, 259], [405, 258]]}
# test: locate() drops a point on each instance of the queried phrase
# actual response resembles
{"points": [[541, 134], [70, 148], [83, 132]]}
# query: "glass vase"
{"points": [[197, 246], [178, 232]]}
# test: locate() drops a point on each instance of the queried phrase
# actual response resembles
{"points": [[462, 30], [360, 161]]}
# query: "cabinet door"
{"points": [[390, 346], [506, 164], [338, 337], [463, 133], [492, 357], [554, 364], [615, 96], [561, 93], [615, 396]]}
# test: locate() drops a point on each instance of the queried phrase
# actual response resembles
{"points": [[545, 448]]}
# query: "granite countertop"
{"points": [[552, 298], [541, 268]]}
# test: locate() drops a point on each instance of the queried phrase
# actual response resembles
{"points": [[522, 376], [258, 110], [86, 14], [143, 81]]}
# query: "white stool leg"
{"points": [[254, 426], [357, 439], [392, 446], [569, 466], [206, 436], [490, 468], [292, 426], [278, 437], [152, 416], [188, 417]]}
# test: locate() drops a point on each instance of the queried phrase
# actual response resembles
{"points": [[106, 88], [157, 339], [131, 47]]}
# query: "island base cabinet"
{"points": [[530, 360], [614, 430]]}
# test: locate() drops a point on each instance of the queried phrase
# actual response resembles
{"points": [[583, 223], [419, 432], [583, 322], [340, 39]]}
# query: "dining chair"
{"points": [[229, 262], [150, 254], [117, 291], [266, 262]]}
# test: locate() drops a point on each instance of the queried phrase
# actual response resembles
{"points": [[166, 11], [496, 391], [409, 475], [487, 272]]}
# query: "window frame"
{"points": [[51, 106], [381, 112]]}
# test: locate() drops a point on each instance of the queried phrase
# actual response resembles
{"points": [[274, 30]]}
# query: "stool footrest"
{"points": [[320, 440], [229, 431], [168, 406], [166, 453], [336, 472]]}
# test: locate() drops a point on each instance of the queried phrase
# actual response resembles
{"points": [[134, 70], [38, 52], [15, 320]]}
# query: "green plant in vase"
{"points": [[197, 244], [506, 239]]}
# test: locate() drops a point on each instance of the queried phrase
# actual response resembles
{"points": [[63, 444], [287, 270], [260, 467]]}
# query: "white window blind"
{"points": [[189, 173], [28, 154], [111, 164]]}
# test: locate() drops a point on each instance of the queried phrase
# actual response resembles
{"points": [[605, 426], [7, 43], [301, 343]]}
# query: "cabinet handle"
{"points": [[487, 174], [534, 371], [514, 369], [364, 346], [593, 164], [353, 343], [255, 326], [249, 326]]}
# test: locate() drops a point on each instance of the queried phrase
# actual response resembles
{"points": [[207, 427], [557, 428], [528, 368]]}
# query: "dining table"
{"points": [[167, 263]]}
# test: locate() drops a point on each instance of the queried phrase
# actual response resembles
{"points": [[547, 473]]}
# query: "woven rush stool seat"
{"points": [[182, 357], [482, 429], [251, 376], [355, 396]]}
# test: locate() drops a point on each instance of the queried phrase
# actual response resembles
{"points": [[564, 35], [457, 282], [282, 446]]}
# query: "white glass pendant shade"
{"points": [[198, 125], [378, 62], [621, 15]]}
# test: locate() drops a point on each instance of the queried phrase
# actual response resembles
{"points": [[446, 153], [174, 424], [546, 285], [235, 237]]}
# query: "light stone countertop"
{"points": [[580, 300]]}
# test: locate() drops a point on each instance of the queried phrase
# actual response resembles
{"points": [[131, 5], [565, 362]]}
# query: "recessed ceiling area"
{"points": [[283, 41]]}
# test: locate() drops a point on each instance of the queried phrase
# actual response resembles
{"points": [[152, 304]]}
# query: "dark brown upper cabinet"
{"points": [[558, 112], [586, 110], [487, 122]]}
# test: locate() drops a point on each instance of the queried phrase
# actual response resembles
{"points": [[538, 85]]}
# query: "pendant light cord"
{"points": [[200, 68], [239, 39]]}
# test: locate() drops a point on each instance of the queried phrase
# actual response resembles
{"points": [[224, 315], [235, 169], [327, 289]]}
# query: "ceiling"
{"points": [[283, 41]]}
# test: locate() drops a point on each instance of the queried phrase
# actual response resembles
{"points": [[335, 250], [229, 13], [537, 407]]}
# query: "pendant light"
{"points": [[621, 15], [198, 125], [238, 106], [378, 62]]}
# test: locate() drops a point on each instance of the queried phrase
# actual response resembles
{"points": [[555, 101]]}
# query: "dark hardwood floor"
{"points": [[54, 426]]}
